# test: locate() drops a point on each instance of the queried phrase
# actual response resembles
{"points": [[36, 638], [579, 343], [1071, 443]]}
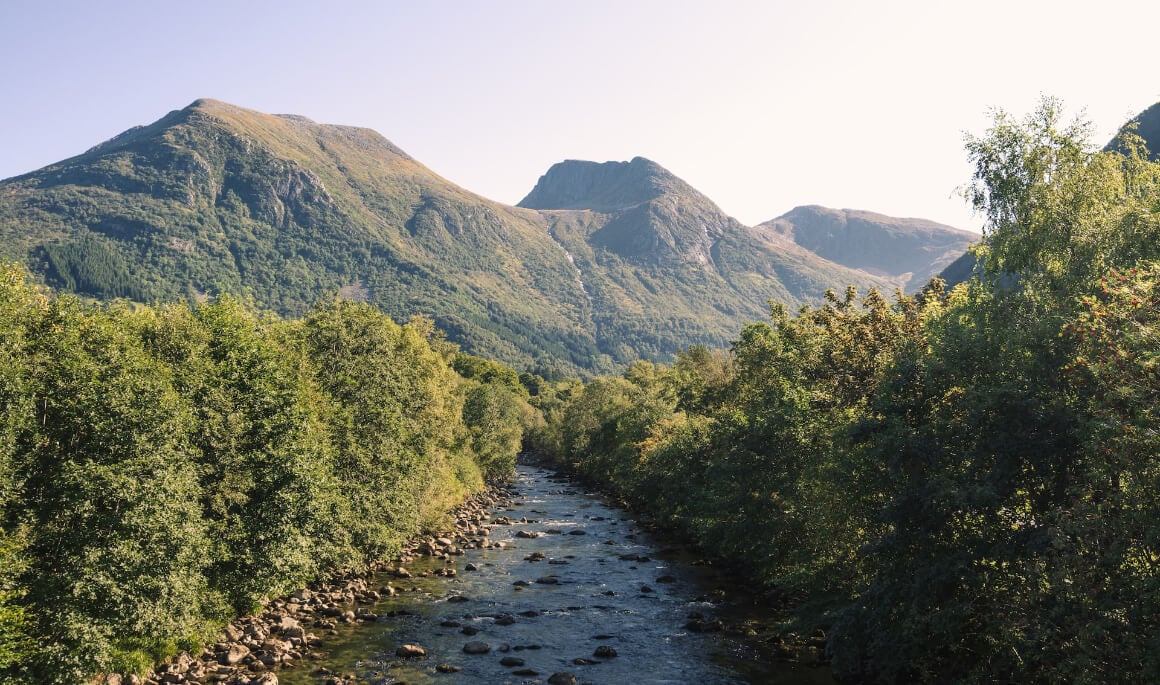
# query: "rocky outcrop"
{"points": [[602, 187]]}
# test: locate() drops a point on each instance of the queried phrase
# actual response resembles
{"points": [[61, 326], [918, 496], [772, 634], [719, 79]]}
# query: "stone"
{"points": [[604, 652], [448, 668], [511, 661], [578, 531], [548, 580], [471, 567], [562, 678], [476, 647], [234, 655], [505, 620], [410, 652]]}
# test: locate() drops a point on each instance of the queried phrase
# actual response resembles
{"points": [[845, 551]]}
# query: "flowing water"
{"points": [[601, 582]]}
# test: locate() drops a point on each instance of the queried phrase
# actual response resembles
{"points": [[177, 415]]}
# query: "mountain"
{"points": [[216, 198], [911, 251], [656, 255], [1147, 126], [603, 263]]}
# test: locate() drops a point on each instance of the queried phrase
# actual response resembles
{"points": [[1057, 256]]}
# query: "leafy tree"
{"points": [[1004, 557], [20, 306], [117, 543], [495, 415], [265, 466], [395, 421]]}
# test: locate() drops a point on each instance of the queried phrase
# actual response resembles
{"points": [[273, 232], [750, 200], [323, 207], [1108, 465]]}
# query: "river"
{"points": [[592, 594]]}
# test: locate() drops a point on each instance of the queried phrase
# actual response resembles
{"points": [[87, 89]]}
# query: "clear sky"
{"points": [[761, 104]]}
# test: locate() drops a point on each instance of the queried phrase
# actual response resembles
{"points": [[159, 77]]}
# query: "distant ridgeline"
{"points": [[599, 265]]}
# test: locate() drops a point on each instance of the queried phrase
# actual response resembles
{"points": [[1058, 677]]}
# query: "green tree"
{"points": [[20, 306], [267, 487], [117, 543]]}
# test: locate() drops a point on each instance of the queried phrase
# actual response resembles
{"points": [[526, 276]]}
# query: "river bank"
{"points": [[542, 583], [291, 630]]}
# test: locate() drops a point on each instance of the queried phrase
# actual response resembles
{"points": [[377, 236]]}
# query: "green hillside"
{"points": [[216, 199], [656, 255], [912, 250]]}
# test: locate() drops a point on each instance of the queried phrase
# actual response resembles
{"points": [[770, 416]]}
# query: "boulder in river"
{"points": [[562, 678], [476, 647], [410, 652]]}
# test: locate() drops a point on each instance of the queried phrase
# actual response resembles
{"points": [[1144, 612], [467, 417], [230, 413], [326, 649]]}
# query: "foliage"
{"points": [[164, 468], [960, 487]]}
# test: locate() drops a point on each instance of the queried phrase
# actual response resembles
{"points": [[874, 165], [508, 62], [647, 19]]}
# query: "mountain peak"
{"points": [[602, 186], [906, 248]]}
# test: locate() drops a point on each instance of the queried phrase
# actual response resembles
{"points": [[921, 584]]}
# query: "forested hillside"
{"points": [[660, 263], [163, 469], [215, 198], [959, 486]]}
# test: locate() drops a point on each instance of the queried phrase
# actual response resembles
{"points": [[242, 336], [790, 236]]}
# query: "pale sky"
{"points": [[761, 105]]}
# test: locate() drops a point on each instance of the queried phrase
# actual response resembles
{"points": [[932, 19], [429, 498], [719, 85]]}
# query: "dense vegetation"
{"points": [[162, 469], [960, 486]]}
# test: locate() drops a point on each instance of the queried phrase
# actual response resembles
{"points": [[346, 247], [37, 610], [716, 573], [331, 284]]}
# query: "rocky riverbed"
{"points": [[543, 583]]}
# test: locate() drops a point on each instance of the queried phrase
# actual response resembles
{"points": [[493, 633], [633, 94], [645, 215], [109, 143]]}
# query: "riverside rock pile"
{"points": [[252, 648]]}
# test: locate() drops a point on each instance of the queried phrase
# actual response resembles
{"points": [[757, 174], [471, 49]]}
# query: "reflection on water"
{"points": [[591, 580]]}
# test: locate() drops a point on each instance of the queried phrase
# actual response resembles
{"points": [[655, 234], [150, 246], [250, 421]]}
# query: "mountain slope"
{"points": [[910, 250], [655, 255], [216, 198], [606, 263]]}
